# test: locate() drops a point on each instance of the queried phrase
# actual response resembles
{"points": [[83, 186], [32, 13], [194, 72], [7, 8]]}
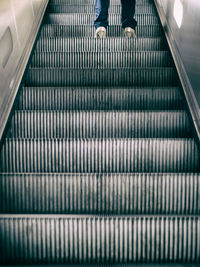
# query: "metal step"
{"points": [[91, 2], [100, 134], [89, 8], [55, 30], [99, 155], [59, 44], [109, 265], [100, 193], [87, 98], [100, 124], [88, 19], [101, 60], [106, 77], [86, 239]]}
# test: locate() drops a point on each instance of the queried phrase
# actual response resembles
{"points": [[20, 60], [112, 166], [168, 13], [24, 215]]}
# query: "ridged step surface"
{"points": [[68, 239], [87, 98], [99, 124], [99, 165], [88, 19], [101, 60], [109, 265], [99, 155], [55, 30], [65, 44], [91, 2], [100, 193], [89, 8], [101, 77]]}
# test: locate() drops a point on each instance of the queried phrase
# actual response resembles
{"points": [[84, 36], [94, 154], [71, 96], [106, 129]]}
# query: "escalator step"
{"points": [[119, 98], [100, 193], [100, 124], [55, 30], [89, 8], [91, 2], [108, 265], [101, 60], [88, 19], [99, 155], [55, 44], [99, 165], [87, 239], [106, 77]]}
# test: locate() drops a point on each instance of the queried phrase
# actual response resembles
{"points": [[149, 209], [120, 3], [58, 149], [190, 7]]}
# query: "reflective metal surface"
{"points": [[19, 24], [181, 22]]}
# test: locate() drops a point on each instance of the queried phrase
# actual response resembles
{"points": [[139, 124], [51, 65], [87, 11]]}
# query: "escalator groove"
{"points": [[100, 166], [78, 44], [55, 30], [46, 193], [91, 98]]}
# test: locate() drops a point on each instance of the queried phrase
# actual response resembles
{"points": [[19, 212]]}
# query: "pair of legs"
{"points": [[128, 12]]}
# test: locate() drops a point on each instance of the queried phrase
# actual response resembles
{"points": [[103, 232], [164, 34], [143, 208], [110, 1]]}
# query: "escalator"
{"points": [[100, 164]]}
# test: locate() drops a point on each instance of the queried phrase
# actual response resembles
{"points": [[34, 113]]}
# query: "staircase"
{"points": [[99, 165]]}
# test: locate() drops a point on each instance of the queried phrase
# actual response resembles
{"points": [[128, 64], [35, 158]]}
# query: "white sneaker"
{"points": [[129, 32], [101, 32]]}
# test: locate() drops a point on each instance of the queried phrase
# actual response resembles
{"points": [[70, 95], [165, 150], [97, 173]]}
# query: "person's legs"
{"points": [[101, 11], [128, 12]]}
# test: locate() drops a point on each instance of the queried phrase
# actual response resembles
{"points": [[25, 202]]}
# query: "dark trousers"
{"points": [[128, 12]]}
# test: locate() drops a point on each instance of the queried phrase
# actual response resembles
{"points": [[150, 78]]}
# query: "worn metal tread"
{"points": [[100, 172], [117, 44], [100, 124], [88, 239], [89, 8], [91, 2], [110, 265], [99, 155], [88, 98], [55, 30], [140, 193], [101, 77], [101, 60], [88, 19]]}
